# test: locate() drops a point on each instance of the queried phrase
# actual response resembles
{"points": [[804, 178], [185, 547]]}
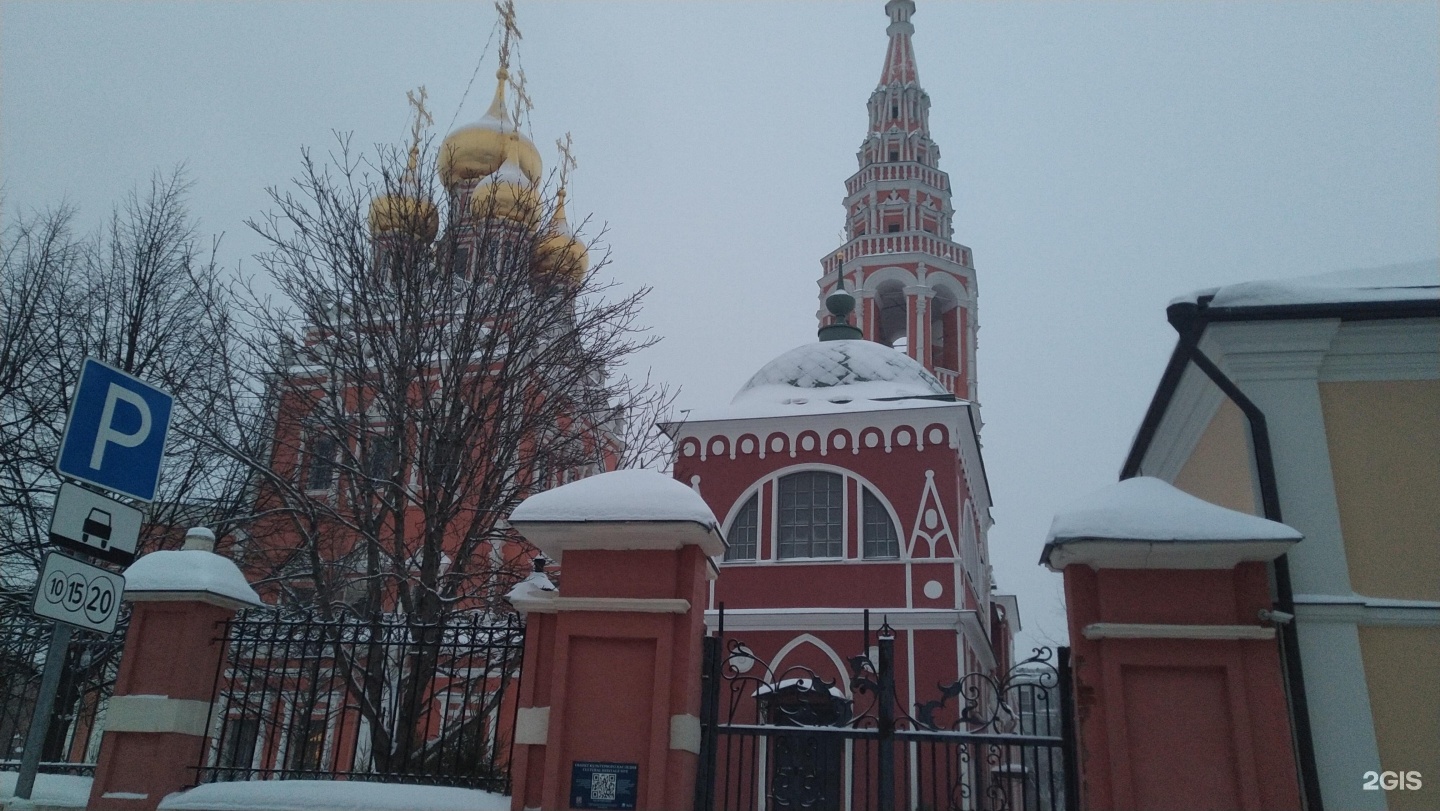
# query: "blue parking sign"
{"points": [[115, 436]]}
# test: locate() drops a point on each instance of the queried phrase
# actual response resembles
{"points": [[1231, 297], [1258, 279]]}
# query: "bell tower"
{"points": [[914, 284]]}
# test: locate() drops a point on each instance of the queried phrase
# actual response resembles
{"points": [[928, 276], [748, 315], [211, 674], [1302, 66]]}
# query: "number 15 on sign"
{"points": [[77, 593]]}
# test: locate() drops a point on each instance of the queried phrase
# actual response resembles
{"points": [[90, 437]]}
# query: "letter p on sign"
{"points": [[107, 432], [115, 437]]}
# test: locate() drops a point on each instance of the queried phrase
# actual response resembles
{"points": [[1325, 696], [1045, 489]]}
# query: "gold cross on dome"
{"points": [[506, 9], [567, 157], [523, 105], [422, 115]]}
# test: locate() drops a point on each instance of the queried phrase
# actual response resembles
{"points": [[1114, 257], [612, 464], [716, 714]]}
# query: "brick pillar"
{"points": [[156, 721], [1179, 695], [612, 660]]}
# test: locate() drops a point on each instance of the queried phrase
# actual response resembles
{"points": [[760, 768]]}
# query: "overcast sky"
{"points": [[1105, 157]]}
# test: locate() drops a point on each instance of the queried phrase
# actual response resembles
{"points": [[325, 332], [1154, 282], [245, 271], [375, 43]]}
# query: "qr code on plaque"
{"points": [[602, 786]]}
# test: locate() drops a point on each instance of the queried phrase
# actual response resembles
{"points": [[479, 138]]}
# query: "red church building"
{"points": [[847, 473]]}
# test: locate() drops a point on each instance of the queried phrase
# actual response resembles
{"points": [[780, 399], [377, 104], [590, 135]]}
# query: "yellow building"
{"points": [[1316, 402]]}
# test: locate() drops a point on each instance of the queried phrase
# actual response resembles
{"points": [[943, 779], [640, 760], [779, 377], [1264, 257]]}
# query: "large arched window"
{"points": [[744, 531], [881, 540], [811, 506]]}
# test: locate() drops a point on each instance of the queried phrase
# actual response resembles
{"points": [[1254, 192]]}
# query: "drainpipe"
{"points": [[1189, 320]]}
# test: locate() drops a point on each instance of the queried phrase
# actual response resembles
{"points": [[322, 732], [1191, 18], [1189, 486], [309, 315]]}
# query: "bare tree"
{"points": [[420, 381], [137, 293]]}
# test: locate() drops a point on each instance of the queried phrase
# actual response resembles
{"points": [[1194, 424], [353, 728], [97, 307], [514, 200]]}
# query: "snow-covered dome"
{"points": [[840, 371]]}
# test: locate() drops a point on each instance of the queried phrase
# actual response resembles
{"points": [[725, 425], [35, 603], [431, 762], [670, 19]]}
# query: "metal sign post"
{"points": [[114, 439], [44, 705]]}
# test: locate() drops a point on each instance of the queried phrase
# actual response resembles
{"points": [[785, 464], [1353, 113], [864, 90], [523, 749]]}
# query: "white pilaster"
{"points": [[1277, 364]]}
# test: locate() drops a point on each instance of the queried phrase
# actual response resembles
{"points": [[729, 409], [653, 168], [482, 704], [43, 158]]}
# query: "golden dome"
{"points": [[508, 192], [405, 211], [560, 252], [401, 212], [479, 149]]}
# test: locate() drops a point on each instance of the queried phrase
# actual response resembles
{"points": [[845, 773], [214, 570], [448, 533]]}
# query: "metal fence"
{"points": [[792, 740], [72, 742], [383, 700]]}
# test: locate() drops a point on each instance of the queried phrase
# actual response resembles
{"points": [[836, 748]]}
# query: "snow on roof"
{"points": [[1148, 509], [786, 404], [620, 495], [50, 791], [840, 371], [190, 571], [1413, 281], [330, 795]]}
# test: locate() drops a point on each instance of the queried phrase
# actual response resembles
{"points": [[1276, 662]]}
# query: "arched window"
{"points": [[744, 531], [811, 504], [881, 540], [945, 330], [893, 311]]}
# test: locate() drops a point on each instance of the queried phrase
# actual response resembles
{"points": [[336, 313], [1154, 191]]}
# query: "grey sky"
{"points": [[1105, 156]]}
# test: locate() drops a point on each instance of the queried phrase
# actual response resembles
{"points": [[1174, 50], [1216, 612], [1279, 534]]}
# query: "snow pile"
{"points": [[838, 371], [621, 495], [51, 790], [331, 795], [1415, 281], [190, 571], [1147, 509]]}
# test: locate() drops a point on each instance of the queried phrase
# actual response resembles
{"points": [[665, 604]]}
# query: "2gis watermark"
{"points": [[1392, 781]]}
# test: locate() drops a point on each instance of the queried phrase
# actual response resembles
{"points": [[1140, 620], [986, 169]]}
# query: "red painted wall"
{"points": [[1181, 724]]}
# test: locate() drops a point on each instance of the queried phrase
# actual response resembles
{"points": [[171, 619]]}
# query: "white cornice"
{"points": [[1135, 630], [609, 605], [1191, 410], [1271, 350], [1356, 609], [1407, 349]]}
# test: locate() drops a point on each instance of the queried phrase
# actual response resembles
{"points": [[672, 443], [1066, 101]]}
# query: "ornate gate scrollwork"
{"points": [[794, 739]]}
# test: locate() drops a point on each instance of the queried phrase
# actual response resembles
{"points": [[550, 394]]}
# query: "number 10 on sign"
{"points": [[77, 593]]}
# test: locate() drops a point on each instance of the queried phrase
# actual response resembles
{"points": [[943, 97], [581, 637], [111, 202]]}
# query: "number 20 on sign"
{"points": [[77, 593]]}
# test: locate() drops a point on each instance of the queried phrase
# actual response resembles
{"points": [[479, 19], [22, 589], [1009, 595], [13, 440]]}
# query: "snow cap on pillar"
{"points": [[1144, 523], [622, 509], [193, 573]]}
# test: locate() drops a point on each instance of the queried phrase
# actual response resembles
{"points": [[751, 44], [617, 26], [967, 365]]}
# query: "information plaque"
{"points": [[603, 785]]}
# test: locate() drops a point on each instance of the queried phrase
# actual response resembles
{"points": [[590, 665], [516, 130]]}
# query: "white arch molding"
{"points": [[777, 664]]}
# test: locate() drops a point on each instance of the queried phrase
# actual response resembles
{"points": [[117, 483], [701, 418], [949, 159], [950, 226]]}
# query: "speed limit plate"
{"points": [[75, 592]]}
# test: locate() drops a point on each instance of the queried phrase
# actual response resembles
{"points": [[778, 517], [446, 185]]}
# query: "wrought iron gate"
{"points": [[773, 741]]}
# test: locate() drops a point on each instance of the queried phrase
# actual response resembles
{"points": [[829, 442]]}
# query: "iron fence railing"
{"points": [[385, 699], [72, 742], [793, 740]]}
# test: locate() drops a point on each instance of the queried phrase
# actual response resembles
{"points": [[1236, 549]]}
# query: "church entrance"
{"points": [[796, 739]]}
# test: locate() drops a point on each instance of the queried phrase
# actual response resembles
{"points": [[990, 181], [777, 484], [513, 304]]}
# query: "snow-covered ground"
{"points": [[64, 791], [51, 791], [331, 795]]}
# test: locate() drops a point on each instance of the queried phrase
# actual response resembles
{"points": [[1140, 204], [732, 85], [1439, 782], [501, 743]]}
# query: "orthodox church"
{"points": [[847, 473]]}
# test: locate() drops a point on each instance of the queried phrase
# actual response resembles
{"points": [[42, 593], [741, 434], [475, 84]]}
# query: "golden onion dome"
{"points": [[507, 193], [405, 212], [560, 252], [479, 149]]}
